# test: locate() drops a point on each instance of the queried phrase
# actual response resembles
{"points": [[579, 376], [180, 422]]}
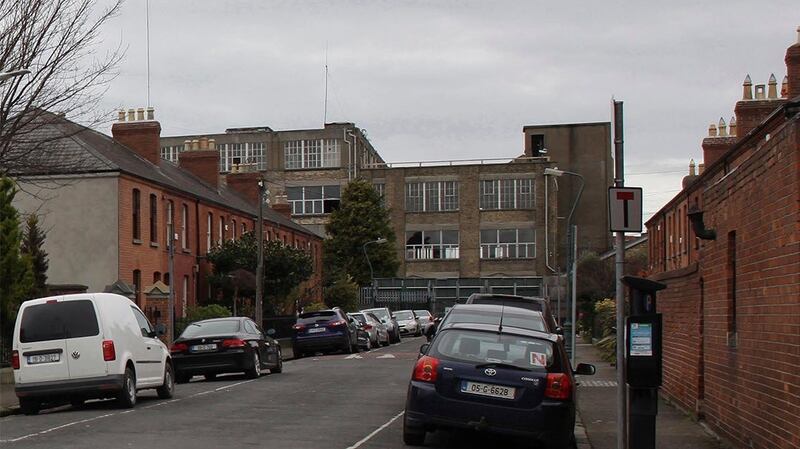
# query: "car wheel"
{"points": [[413, 436], [210, 376], [30, 406], [279, 366], [167, 389], [297, 353], [255, 371], [127, 396], [369, 345]]}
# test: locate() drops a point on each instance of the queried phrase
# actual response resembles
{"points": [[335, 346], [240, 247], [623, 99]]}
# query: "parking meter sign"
{"points": [[625, 209]]}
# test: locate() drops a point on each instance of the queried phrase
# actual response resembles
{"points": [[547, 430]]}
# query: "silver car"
{"points": [[385, 317], [378, 335], [425, 319], [408, 323]]}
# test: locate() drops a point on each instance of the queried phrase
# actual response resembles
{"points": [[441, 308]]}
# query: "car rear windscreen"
{"points": [[380, 314], [529, 320], [401, 316], [58, 320], [317, 317], [359, 317], [210, 328], [488, 347]]}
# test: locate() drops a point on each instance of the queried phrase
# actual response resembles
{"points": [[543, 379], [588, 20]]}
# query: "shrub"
{"points": [[342, 293], [200, 313]]}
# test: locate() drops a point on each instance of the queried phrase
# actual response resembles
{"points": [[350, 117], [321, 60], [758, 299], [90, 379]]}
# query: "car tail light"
{"points": [[558, 386], [109, 353], [426, 369], [367, 327], [336, 323], [15, 359], [299, 327], [233, 343], [179, 347]]}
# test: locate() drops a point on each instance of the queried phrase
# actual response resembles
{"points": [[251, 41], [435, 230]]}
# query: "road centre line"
{"points": [[234, 385], [375, 432]]}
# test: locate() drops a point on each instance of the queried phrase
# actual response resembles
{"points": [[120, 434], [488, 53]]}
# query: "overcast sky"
{"points": [[456, 79]]}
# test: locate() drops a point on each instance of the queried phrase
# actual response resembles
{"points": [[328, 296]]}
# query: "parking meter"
{"points": [[643, 361]]}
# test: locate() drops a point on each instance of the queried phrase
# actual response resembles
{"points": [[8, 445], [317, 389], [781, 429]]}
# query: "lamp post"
{"points": [[379, 241], [262, 192], [6, 75], [573, 251]]}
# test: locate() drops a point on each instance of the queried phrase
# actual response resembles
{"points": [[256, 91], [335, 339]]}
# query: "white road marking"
{"points": [[62, 426], [353, 356], [375, 432], [386, 356]]}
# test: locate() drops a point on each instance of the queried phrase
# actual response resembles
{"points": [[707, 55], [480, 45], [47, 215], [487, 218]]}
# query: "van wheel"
{"points": [[30, 406], [167, 389], [127, 397]]}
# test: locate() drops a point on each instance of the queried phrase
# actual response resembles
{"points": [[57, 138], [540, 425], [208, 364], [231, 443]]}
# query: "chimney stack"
{"points": [[718, 142], [281, 205], [793, 68], [142, 136], [202, 160]]}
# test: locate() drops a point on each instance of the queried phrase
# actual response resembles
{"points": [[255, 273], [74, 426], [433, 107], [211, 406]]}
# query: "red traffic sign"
{"points": [[625, 209]]}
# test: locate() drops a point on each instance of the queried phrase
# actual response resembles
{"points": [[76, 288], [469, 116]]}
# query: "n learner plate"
{"points": [[43, 358], [199, 348], [495, 391]]}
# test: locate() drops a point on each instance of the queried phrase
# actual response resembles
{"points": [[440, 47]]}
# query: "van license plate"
{"points": [[43, 358], [495, 391], [201, 348]]}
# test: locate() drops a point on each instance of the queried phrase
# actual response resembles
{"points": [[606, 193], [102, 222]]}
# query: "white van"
{"points": [[86, 346]]}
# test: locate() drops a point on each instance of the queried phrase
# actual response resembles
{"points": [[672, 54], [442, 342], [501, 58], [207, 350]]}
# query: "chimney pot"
{"points": [[151, 113], [131, 115], [701, 168], [772, 94], [760, 91], [212, 144], [747, 88], [785, 87], [204, 143], [121, 115], [712, 130], [732, 126], [195, 144], [692, 168], [723, 131], [140, 114], [187, 145]]}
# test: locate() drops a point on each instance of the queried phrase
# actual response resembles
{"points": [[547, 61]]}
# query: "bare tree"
{"points": [[57, 40]]}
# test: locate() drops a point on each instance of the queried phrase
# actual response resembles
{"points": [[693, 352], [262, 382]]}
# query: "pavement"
{"points": [[597, 406]]}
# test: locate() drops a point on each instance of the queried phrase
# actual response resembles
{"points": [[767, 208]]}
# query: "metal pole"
{"points": [[171, 298], [619, 181], [574, 269], [259, 314]]}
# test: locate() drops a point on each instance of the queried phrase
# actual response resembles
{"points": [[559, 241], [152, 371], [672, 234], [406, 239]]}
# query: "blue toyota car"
{"points": [[493, 378]]}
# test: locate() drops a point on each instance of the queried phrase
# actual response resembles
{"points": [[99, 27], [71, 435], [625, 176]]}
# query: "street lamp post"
{"points": [[262, 192], [379, 240], [573, 251]]}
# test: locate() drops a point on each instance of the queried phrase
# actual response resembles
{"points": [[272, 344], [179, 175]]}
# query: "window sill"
{"points": [[311, 215], [433, 211], [505, 259], [433, 260], [509, 209], [137, 242], [186, 251], [313, 168], [154, 244]]}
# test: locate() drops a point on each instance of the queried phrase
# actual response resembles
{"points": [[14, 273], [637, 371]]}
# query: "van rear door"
{"points": [[84, 342], [42, 343]]}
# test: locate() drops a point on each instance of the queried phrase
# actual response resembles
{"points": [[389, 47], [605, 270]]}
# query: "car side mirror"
{"points": [[161, 330], [270, 332], [559, 330], [585, 369], [424, 348]]}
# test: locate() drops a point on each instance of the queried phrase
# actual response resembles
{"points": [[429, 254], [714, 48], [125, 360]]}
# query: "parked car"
{"points": [[378, 334], [425, 319], [86, 346], [224, 345], [511, 381], [407, 322], [525, 302], [324, 330], [493, 314], [362, 335], [383, 314]]}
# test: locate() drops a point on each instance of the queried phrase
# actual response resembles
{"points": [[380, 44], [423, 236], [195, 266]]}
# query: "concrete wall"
{"points": [[81, 220], [583, 148]]}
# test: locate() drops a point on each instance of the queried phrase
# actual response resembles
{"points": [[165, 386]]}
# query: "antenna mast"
{"points": [[325, 112]]}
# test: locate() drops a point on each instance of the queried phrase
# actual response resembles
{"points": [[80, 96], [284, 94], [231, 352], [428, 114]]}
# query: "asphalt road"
{"points": [[335, 401]]}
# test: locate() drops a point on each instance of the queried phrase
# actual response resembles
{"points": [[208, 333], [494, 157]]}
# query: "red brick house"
{"points": [[728, 247], [108, 221]]}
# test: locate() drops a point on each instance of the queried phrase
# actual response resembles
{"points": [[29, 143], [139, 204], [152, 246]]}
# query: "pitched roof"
{"points": [[95, 152]]}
